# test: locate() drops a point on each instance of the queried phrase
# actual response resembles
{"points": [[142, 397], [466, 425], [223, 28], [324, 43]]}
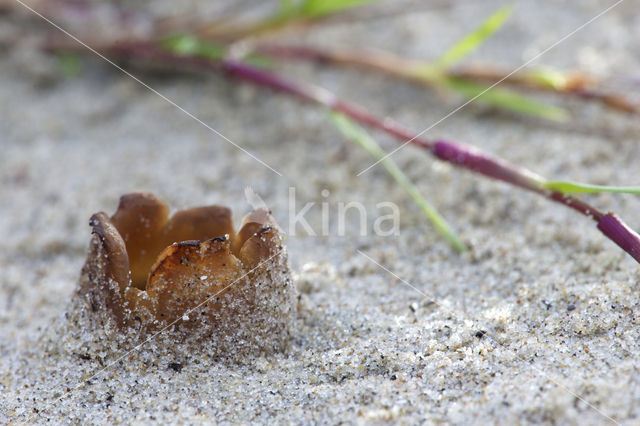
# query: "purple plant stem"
{"points": [[318, 95], [473, 159], [618, 232], [461, 155]]}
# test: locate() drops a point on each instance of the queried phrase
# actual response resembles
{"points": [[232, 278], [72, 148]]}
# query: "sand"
{"points": [[536, 324]]}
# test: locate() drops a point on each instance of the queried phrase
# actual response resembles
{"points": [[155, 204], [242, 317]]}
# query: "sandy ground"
{"points": [[538, 323]]}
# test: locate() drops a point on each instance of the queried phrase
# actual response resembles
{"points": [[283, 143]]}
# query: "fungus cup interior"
{"points": [[155, 259]]}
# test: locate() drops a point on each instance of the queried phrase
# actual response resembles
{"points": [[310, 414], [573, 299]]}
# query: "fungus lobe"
{"points": [[190, 273]]}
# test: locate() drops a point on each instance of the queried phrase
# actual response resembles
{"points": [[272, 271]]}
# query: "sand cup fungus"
{"points": [[191, 271]]}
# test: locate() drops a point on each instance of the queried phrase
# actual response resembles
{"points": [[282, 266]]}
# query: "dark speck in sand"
{"points": [[175, 366]]}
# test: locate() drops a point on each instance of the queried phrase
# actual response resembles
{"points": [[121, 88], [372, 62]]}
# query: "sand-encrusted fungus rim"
{"points": [[182, 257]]}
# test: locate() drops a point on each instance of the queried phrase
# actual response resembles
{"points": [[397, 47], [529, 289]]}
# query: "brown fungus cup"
{"points": [[190, 274]]}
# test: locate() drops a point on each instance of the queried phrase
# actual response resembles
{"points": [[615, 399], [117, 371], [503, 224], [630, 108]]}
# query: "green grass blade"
{"points": [[507, 99], [357, 134], [472, 41], [318, 8], [289, 9], [585, 188], [189, 45], [293, 11], [548, 77], [286, 6], [70, 64]]}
